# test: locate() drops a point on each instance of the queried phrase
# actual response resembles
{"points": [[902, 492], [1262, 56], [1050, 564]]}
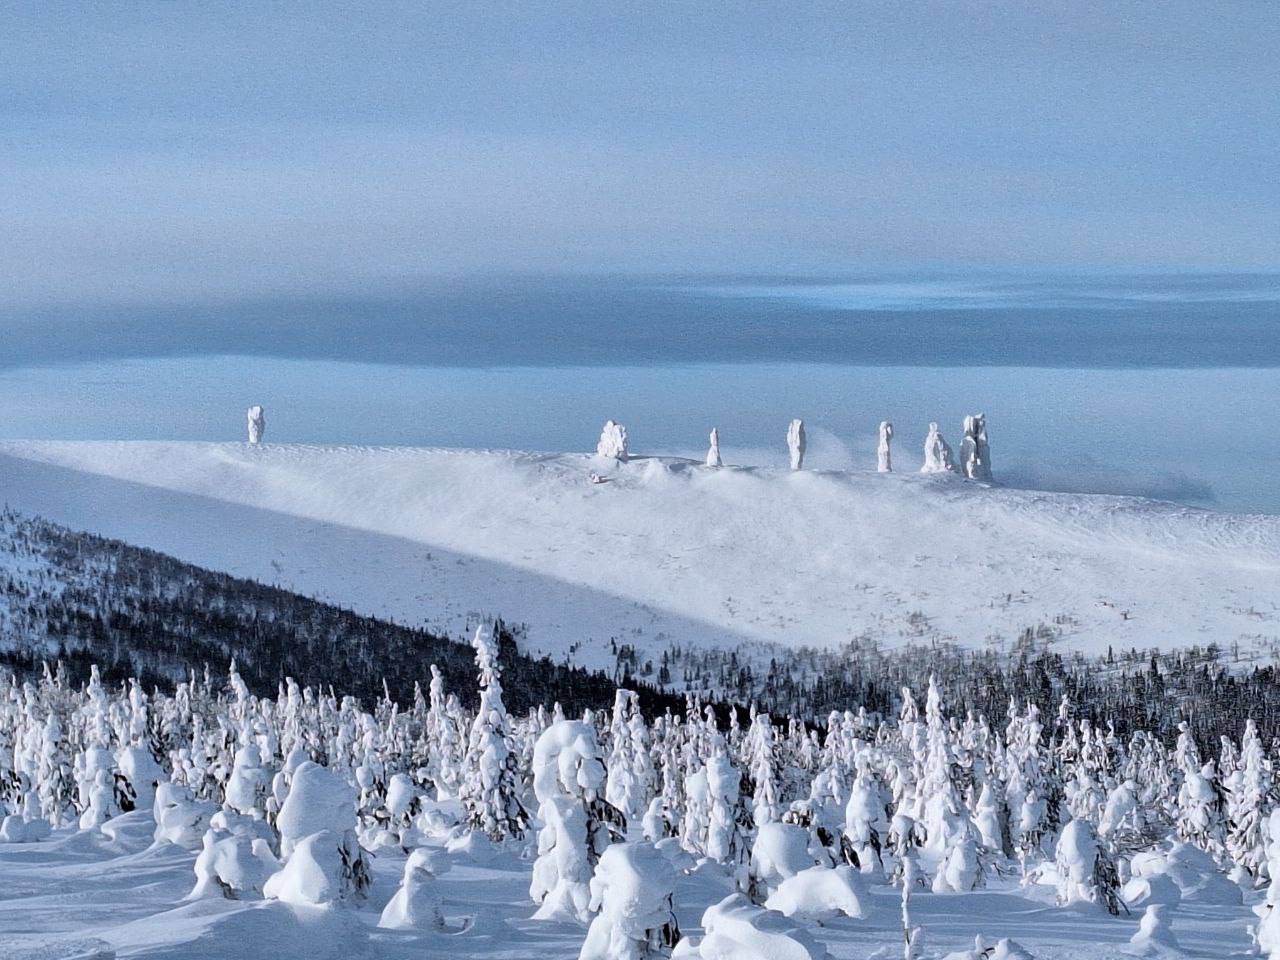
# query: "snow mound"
{"points": [[416, 904], [736, 929], [1004, 949], [819, 894]]}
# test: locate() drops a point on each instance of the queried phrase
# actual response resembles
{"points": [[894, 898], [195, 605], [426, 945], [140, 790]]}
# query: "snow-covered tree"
{"points": [[578, 824], [323, 861], [1085, 871], [766, 804], [630, 767], [1249, 807], [490, 791], [866, 819], [631, 899]]}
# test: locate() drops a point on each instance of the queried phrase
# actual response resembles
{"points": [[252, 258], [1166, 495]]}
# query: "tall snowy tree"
{"points": [[490, 790]]}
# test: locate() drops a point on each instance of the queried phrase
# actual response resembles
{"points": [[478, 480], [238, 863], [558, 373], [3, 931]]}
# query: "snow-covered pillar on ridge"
{"points": [[613, 441], [975, 458], [713, 452], [796, 443], [937, 455], [257, 423], [883, 461]]}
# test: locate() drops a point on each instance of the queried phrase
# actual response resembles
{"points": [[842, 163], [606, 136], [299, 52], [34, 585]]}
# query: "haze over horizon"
{"points": [[178, 154]]}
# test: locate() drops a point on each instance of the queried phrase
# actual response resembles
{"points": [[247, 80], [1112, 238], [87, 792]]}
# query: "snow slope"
{"points": [[670, 551]]}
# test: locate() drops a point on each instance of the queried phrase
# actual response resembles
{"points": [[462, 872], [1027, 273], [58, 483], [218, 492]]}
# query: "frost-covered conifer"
{"points": [[630, 768], [1025, 783], [631, 899], [569, 782], [766, 805], [866, 820], [247, 789], [490, 791], [1085, 871], [780, 850], [726, 815], [55, 785], [323, 861], [1201, 809], [1249, 806]]}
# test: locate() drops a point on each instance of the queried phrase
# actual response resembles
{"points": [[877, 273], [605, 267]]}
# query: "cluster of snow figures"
{"points": [[286, 798], [974, 463]]}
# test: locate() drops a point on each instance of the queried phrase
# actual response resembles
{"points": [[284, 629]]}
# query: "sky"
{"points": [[177, 153]]}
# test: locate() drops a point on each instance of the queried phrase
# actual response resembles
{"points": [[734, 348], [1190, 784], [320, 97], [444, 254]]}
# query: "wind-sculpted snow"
{"points": [[669, 551]]}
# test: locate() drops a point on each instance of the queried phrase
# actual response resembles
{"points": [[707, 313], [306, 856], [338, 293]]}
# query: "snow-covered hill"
{"points": [[669, 551]]}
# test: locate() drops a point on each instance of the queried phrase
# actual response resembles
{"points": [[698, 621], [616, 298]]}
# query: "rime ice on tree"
{"points": [[569, 782], [937, 454], [257, 423], [631, 897], [796, 443], [713, 452], [975, 458], [883, 461], [613, 441], [490, 790]]}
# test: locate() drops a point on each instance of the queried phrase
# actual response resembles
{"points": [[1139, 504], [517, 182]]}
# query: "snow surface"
{"points": [[85, 895], [669, 550]]}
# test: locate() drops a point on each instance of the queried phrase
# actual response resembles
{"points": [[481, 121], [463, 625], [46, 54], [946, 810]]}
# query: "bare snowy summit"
{"points": [[671, 551]]}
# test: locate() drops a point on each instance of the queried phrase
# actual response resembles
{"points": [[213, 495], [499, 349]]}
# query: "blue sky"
{"points": [[180, 152]]}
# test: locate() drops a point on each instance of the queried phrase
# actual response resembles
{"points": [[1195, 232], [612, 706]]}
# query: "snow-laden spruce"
{"points": [[257, 423], [631, 900], [323, 861], [490, 789], [286, 797], [568, 780]]}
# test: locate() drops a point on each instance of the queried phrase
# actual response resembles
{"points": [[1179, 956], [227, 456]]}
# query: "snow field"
{"points": [[666, 551]]}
